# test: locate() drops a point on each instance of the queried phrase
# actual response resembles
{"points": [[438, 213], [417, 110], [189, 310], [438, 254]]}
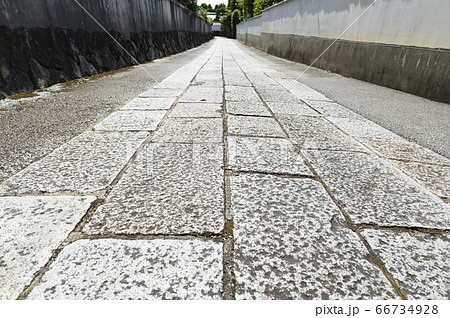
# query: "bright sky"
{"points": [[212, 2]]}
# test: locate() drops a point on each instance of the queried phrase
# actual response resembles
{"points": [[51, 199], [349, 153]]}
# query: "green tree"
{"points": [[220, 11], [190, 4], [232, 5], [235, 20], [225, 24], [257, 7], [247, 8]]}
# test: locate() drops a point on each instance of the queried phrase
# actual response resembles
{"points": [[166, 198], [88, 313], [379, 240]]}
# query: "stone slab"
{"points": [[417, 261], [162, 92], [169, 189], [316, 133], [269, 155], [196, 110], [364, 129], [291, 108], [278, 95], [331, 109], [292, 243], [241, 94], [308, 95], [131, 120], [233, 80], [404, 150], [132, 269], [373, 192], [209, 80], [254, 126], [87, 163], [187, 130], [196, 94], [149, 103], [433, 177], [32, 228], [254, 108]]}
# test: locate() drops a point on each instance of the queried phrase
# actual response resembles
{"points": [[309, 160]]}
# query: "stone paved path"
{"points": [[229, 180]]}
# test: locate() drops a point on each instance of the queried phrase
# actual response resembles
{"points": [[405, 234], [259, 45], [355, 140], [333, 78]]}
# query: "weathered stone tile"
{"points": [[364, 129], [175, 82], [433, 177], [233, 80], [291, 108], [253, 108], [149, 103], [278, 95], [188, 130], [203, 94], [404, 150], [131, 120], [196, 110], [207, 79], [241, 94], [134, 269], [305, 93], [169, 189], [373, 192], [162, 92], [254, 126], [262, 81], [292, 243], [87, 163], [31, 229], [417, 261], [316, 133], [215, 83], [331, 109], [265, 155]]}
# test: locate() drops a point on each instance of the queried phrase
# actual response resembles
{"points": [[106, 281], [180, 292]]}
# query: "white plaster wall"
{"points": [[424, 23]]}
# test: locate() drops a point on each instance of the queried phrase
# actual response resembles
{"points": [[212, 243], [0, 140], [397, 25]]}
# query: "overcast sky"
{"points": [[212, 2]]}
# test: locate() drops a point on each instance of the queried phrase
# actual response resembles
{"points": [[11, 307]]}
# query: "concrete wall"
{"points": [[403, 44], [43, 42]]}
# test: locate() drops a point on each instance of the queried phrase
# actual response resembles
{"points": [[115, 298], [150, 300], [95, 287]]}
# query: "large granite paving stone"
{"points": [[241, 94], [291, 108], [278, 95], [187, 130], [331, 109], [292, 243], [253, 108], [134, 269], [169, 189], [270, 155], [254, 126], [31, 229], [149, 103], [316, 133], [233, 80], [131, 120], [372, 191], [417, 261], [196, 110], [404, 150], [433, 177], [203, 94], [162, 93], [87, 163], [364, 129]]}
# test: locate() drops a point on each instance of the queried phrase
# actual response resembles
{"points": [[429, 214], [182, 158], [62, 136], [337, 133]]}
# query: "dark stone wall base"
{"points": [[420, 71], [40, 57]]}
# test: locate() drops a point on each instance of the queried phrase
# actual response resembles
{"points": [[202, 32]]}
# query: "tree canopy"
{"points": [[246, 9]]}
